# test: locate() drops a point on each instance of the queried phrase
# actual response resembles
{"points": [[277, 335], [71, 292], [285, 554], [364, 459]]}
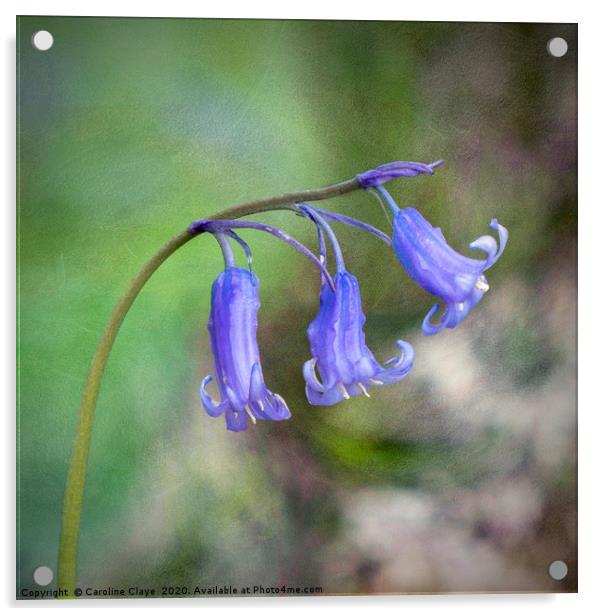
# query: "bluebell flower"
{"points": [[457, 280], [345, 364], [232, 329]]}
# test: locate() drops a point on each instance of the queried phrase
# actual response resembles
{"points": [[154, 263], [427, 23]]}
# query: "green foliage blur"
{"points": [[129, 129]]}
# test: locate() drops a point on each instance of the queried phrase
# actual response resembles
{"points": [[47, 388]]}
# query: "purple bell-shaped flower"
{"points": [[457, 280], [345, 364], [233, 331]]}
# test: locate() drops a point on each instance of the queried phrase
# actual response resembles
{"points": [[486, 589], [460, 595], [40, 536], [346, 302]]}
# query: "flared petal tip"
{"points": [[274, 408], [214, 409], [310, 376], [397, 368], [455, 313], [502, 235], [490, 246], [428, 327]]}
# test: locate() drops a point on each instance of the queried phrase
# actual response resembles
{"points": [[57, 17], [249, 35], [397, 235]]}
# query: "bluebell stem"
{"points": [[225, 226], [457, 280], [353, 222], [337, 341]]}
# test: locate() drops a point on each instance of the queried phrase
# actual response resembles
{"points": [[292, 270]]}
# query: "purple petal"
{"points": [[400, 366], [213, 409], [236, 421], [275, 408], [309, 373], [454, 313], [429, 328], [257, 390], [326, 398]]}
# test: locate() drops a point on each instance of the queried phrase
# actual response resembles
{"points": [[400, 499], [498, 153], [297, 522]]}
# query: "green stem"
{"points": [[76, 478]]}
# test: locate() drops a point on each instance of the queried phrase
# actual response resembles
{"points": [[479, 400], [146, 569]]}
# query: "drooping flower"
{"points": [[459, 281], [232, 329], [345, 364], [337, 341]]}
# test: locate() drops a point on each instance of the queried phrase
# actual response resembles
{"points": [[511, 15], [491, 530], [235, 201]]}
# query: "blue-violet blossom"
{"points": [[458, 280], [232, 328], [345, 364]]}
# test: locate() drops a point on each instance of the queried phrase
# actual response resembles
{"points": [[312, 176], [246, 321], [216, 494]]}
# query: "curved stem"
{"points": [[76, 477], [246, 248], [318, 220], [213, 226], [227, 252], [384, 193], [353, 222]]}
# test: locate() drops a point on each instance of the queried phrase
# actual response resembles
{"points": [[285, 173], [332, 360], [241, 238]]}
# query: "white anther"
{"points": [[364, 390], [481, 284], [250, 414], [376, 382], [344, 391]]}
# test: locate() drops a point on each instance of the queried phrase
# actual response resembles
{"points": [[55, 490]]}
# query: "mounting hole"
{"points": [[558, 570], [557, 47], [42, 40], [43, 575]]}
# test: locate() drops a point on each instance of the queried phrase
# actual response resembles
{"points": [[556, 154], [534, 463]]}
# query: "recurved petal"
{"points": [[454, 313], [213, 409], [503, 237], [428, 327], [311, 378], [275, 408], [489, 245], [397, 367], [458, 312], [323, 398]]}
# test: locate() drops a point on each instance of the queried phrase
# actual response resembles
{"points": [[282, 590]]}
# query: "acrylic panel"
{"points": [[296, 307]]}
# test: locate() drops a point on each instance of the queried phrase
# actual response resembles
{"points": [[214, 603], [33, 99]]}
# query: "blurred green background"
{"points": [[460, 477]]}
